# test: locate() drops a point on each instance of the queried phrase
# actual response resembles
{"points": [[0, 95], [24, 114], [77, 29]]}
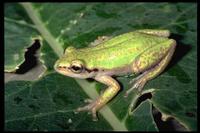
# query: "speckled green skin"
{"points": [[117, 52]]}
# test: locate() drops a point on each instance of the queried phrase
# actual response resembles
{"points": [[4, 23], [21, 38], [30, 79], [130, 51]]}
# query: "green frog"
{"points": [[144, 52]]}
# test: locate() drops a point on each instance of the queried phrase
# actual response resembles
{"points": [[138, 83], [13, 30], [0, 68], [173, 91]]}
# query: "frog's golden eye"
{"points": [[76, 67]]}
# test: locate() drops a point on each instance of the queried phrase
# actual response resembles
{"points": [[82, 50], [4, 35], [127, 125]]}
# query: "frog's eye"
{"points": [[76, 67]]}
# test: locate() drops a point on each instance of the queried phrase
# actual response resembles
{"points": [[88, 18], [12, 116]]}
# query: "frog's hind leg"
{"points": [[150, 72], [106, 96], [161, 33]]}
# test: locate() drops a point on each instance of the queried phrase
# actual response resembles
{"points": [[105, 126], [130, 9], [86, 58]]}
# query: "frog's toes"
{"points": [[132, 81], [88, 100], [139, 84], [94, 114], [128, 92], [85, 108], [91, 108]]}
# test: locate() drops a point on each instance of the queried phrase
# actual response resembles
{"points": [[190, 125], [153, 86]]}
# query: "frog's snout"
{"points": [[56, 65]]}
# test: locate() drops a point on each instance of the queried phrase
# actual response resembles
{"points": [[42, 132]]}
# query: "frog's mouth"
{"points": [[65, 71]]}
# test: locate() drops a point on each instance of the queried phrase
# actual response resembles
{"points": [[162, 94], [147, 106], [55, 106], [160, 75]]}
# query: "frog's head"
{"points": [[71, 66]]}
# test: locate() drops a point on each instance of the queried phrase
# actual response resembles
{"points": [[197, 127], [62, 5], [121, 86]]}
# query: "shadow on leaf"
{"points": [[180, 51]]}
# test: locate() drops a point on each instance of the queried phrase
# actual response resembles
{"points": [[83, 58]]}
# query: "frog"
{"points": [[143, 52]]}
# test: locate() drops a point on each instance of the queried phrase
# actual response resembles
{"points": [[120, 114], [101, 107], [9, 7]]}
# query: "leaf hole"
{"points": [[142, 98], [170, 124], [30, 58]]}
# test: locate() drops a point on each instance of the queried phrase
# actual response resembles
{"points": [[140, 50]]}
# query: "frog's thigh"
{"points": [[163, 33], [153, 56], [152, 71], [156, 70]]}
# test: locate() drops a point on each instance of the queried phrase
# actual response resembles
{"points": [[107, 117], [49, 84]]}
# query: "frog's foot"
{"points": [[90, 107], [88, 100], [138, 83]]}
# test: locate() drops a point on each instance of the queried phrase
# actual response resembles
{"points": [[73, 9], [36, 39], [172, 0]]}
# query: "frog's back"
{"points": [[119, 51]]}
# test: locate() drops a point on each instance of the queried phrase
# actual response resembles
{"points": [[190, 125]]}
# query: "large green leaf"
{"points": [[47, 103]]}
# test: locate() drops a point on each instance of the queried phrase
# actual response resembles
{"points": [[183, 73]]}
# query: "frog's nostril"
{"points": [[61, 67], [64, 67]]}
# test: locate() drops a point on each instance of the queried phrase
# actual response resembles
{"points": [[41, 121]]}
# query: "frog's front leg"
{"points": [[159, 56], [106, 96]]}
